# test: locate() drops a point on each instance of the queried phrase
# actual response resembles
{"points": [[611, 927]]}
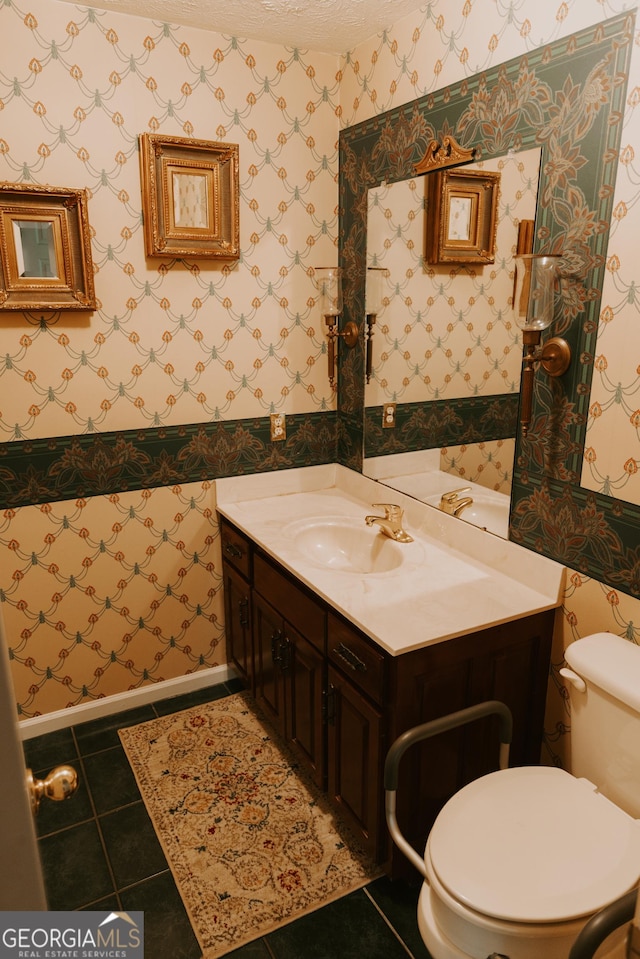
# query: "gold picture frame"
{"points": [[461, 220], [45, 249], [190, 197]]}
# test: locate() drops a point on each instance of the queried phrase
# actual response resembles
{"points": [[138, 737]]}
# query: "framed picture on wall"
{"points": [[45, 249], [190, 197], [461, 220]]}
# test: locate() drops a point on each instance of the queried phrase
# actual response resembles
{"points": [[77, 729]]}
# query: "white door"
{"points": [[21, 885]]}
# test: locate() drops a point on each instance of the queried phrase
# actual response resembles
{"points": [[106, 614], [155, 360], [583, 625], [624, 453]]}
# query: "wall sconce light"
{"points": [[373, 304], [329, 283], [536, 276]]}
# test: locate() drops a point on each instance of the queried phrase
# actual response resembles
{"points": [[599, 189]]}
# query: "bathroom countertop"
{"points": [[454, 579]]}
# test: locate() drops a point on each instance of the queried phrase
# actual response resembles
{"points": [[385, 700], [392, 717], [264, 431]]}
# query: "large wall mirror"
{"points": [[562, 104], [445, 332]]}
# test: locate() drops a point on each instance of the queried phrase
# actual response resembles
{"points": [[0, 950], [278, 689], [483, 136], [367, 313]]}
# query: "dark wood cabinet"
{"points": [[356, 750], [290, 664], [340, 700], [238, 624], [305, 704], [270, 651], [237, 608]]}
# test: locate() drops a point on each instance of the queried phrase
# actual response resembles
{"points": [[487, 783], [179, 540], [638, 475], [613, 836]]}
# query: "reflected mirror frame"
{"points": [[477, 190], [65, 210]]}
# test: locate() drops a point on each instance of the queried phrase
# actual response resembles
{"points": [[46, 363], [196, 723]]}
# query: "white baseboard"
{"points": [[74, 715]]}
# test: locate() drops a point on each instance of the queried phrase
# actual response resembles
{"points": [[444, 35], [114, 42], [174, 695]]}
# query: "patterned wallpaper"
{"points": [[110, 593], [112, 590], [489, 464], [103, 589], [172, 342], [446, 331]]}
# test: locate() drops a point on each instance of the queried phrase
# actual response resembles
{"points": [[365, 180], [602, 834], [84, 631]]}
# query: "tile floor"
{"points": [[99, 851]]}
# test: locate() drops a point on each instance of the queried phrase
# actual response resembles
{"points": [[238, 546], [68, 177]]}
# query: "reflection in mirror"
{"points": [[35, 248], [446, 332]]}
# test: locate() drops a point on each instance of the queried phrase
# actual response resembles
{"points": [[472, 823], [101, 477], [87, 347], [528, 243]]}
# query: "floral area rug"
{"points": [[251, 842]]}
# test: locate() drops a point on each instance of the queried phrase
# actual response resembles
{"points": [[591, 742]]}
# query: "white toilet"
{"points": [[519, 860]]}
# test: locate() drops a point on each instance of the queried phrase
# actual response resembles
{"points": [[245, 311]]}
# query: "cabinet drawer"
{"points": [[296, 606], [357, 658], [236, 548]]}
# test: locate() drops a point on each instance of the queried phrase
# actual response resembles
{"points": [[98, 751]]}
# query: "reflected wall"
{"points": [[445, 332]]}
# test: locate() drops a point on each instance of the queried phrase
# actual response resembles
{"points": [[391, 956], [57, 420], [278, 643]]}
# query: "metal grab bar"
{"points": [[426, 731], [596, 930]]}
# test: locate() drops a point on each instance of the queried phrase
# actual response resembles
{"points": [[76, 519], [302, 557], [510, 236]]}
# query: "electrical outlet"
{"points": [[278, 427], [388, 415]]}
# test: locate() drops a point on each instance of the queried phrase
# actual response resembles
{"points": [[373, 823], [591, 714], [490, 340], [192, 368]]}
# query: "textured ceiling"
{"points": [[331, 26]]}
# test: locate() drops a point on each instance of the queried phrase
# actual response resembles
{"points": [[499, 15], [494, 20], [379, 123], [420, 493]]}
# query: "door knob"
{"points": [[61, 783]]}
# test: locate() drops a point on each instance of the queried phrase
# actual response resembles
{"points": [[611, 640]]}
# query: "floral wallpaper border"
{"points": [[442, 422], [57, 468]]}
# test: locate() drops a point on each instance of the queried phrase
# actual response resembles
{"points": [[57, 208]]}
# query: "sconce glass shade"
{"points": [[533, 295], [374, 289], [329, 283]]}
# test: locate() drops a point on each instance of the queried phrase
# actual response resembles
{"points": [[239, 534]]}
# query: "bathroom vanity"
{"points": [[344, 650]]}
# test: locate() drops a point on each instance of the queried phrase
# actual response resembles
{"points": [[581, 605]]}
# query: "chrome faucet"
{"points": [[449, 502], [391, 523]]}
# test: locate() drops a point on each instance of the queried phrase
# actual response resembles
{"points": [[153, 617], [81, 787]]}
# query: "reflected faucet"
{"points": [[391, 523], [449, 502]]}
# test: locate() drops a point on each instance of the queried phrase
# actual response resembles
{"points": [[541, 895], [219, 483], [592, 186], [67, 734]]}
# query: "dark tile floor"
{"points": [[99, 851]]}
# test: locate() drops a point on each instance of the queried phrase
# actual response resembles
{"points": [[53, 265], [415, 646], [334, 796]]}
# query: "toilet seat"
{"points": [[533, 845], [447, 936]]}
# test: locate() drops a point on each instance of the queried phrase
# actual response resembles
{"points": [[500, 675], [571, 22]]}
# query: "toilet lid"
{"points": [[534, 844]]}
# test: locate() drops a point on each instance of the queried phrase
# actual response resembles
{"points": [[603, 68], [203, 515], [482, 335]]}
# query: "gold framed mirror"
{"points": [[45, 249]]}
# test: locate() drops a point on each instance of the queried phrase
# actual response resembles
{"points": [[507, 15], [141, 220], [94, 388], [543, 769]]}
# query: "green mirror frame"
{"points": [[567, 98]]}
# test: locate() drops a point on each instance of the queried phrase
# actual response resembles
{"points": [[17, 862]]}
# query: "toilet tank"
{"points": [[605, 716]]}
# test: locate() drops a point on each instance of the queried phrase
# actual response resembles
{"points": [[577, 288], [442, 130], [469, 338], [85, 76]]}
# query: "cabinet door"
{"points": [[510, 663], [270, 646], [355, 749], [304, 685], [238, 623]]}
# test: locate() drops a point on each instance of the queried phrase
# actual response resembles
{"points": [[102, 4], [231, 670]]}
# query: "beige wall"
{"points": [[120, 591]]}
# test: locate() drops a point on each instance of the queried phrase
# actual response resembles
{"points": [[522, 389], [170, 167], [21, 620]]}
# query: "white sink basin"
{"points": [[488, 514], [345, 544]]}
